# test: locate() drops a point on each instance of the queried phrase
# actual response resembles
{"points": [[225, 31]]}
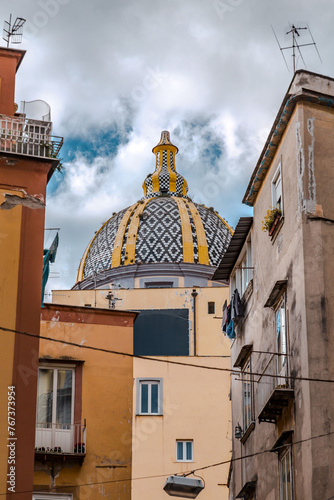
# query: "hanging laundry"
{"points": [[236, 306], [224, 322], [230, 330], [228, 314]]}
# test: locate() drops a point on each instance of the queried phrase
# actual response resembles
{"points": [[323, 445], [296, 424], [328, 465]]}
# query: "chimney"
{"points": [[10, 60]]}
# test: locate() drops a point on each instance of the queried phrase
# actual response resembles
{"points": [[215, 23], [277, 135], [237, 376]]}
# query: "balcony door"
{"points": [[55, 408], [281, 339]]}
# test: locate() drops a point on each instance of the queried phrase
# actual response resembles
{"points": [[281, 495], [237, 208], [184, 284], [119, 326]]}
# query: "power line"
{"points": [[158, 360], [192, 471]]}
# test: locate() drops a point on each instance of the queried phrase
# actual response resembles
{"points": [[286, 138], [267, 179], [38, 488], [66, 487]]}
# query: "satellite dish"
{"points": [[185, 487]]}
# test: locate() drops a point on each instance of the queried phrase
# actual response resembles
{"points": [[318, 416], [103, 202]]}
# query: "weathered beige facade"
{"points": [[283, 397]]}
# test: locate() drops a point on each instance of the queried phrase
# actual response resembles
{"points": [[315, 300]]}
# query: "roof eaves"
{"points": [[231, 255]]}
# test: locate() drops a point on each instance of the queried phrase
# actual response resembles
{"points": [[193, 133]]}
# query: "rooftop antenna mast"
{"points": [[295, 33], [12, 33]]}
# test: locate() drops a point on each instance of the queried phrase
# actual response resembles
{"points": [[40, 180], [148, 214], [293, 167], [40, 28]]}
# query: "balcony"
{"points": [[22, 136], [60, 442], [275, 389]]}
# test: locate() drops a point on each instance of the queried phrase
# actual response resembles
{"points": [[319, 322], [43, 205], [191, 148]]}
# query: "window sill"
{"points": [[276, 228], [248, 432], [149, 415]]}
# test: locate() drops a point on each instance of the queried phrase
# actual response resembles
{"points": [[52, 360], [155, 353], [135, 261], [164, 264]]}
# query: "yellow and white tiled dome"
{"points": [[165, 226]]}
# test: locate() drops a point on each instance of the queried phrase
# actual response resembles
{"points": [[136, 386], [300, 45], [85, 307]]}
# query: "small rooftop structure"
{"points": [[27, 133]]}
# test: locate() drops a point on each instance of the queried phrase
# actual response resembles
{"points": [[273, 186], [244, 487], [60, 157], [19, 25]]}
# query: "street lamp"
{"points": [[185, 487]]}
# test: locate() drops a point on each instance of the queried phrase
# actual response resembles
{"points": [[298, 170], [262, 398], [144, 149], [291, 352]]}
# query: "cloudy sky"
{"points": [[117, 73]]}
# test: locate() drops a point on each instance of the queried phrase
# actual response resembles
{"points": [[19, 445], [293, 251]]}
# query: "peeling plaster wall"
{"points": [[301, 251], [306, 181]]}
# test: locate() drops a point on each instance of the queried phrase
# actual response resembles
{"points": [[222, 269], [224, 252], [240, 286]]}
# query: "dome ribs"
{"points": [[171, 171], [130, 249], [203, 253], [187, 237], [118, 244]]}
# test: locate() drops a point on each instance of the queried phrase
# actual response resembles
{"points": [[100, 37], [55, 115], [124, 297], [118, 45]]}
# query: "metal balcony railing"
{"points": [[60, 438], [274, 388], [23, 136]]}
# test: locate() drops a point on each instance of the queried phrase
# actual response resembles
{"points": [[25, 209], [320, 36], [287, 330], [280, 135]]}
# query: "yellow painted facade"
{"points": [[210, 340], [195, 408], [196, 402]]}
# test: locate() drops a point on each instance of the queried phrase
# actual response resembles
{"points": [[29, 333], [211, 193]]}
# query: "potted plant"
{"points": [[271, 219]]}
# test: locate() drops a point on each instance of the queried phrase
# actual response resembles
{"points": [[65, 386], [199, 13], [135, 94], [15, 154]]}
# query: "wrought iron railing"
{"points": [[24, 136], [60, 438]]}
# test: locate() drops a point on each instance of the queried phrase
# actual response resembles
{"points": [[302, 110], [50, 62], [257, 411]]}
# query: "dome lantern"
{"points": [[165, 180]]}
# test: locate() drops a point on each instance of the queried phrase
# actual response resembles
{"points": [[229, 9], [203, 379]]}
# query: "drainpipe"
{"points": [[194, 295]]}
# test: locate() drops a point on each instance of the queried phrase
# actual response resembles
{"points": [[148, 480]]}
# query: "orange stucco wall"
{"points": [[107, 384], [21, 250], [10, 60], [10, 224]]}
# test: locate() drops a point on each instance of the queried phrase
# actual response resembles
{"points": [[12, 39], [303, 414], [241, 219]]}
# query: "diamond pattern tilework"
{"points": [[99, 255], [217, 234], [160, 236]]}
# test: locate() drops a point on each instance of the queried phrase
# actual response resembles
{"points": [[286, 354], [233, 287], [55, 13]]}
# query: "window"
{"points": [[184, 451], [58, 413], [244, 270], [211, 308], [149, 396], [281, 341], [159, 284], [247, 397], [276, 187], [285, 473], [55, 396]]}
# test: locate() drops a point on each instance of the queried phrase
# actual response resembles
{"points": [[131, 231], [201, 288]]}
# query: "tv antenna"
{"points": [[12, 33], [295, 33]]}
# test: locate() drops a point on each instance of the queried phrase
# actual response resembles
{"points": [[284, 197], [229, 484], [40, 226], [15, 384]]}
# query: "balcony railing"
{"points": [[60, 438], [23, 136], [274, 388]]}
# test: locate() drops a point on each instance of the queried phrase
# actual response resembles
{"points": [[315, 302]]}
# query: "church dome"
{"points": [[164, 227]]}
